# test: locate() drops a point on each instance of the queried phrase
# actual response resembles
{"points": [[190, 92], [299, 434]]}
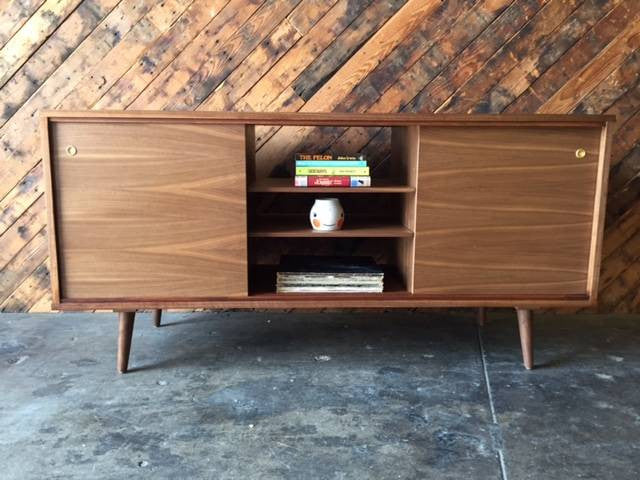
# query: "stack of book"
{"points": [[328, 170], [315, 273]]}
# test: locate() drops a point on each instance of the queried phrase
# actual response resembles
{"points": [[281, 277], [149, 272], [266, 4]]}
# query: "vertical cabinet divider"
{"points": [[405, 146]]}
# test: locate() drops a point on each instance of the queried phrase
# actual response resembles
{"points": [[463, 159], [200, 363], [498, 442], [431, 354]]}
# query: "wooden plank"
{"points": [[263, 58], [619, 232], [22, 264], [193, 58], [479, 24], [270, 87], [35, 31], [35, 305], [22, 231], [626, 137], [13, 15], [625, 170], [530, 37], [307, 14], [619, 202], [570, 95], [575, 59], [616, 291], [31, 291], [19, 153], [626, 181], [234, 50], [473, 57], [104, 74], [413, 48], [625, 107], [365, 60], [165, 14], [619, 82], [631, 303], [51, 54], [537, 61], [625, 256], [287, 101], [624, 185], [227, 93], [327, 63], [159, 55], [21, 197], [376, 149]]}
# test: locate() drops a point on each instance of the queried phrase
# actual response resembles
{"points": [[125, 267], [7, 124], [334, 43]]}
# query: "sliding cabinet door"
{"points": [[148, 210], [505, 211]]}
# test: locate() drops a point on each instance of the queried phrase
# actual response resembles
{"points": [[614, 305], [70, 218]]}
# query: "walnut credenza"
{"points": [[156, 210]]}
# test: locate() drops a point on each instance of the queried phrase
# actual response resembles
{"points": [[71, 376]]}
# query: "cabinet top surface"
{"points": [[333, 118]]}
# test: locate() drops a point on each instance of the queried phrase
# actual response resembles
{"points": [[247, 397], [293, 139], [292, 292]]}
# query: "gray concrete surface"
{"points": [[319, 396]]}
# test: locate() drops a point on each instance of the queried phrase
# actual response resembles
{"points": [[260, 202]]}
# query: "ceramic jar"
{"points": [[326, 215]]}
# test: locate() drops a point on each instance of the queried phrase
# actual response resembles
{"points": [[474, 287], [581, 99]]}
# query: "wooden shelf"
{"points": [[285, 185], [263, 285], [287, 227]]}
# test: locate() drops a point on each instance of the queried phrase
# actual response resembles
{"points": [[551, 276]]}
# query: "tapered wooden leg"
{"points": [[526, 337], [125, 332], [482, 316], [157, 316]]}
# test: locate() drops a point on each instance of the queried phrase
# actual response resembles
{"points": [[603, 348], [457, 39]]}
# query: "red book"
{"points": [[323, 181]]}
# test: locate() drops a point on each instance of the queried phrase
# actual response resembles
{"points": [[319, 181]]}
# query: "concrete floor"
{"points": [[310, 396]]}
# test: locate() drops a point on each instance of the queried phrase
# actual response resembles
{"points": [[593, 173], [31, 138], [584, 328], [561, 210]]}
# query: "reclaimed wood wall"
{"points": [[559, 56]]}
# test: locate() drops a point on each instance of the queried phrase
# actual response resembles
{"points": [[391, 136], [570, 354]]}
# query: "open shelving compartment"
{"points": [[379, 220]]}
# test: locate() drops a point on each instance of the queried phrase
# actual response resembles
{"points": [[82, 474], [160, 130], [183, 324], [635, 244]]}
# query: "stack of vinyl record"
{"points": [[315, 273]]}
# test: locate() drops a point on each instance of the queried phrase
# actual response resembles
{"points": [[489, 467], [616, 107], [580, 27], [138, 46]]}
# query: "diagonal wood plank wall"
{"points": [[313, 55]]}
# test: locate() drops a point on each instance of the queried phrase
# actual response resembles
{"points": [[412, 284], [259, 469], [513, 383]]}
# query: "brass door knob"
{"points": [[71, 150], [581, 153]]}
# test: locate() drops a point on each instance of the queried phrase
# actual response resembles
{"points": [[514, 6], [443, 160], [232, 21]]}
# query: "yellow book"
{"points": [[347, 171]]}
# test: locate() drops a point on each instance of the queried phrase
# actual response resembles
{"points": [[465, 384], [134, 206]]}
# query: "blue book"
{"points": [[331, 163]]}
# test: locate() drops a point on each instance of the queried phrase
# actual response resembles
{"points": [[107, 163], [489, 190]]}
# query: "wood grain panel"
{"points": [[147, 210], [505, 210]]}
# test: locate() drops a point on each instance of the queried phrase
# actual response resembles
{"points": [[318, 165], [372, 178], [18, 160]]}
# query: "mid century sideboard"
{"points": [[157, 210]]}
